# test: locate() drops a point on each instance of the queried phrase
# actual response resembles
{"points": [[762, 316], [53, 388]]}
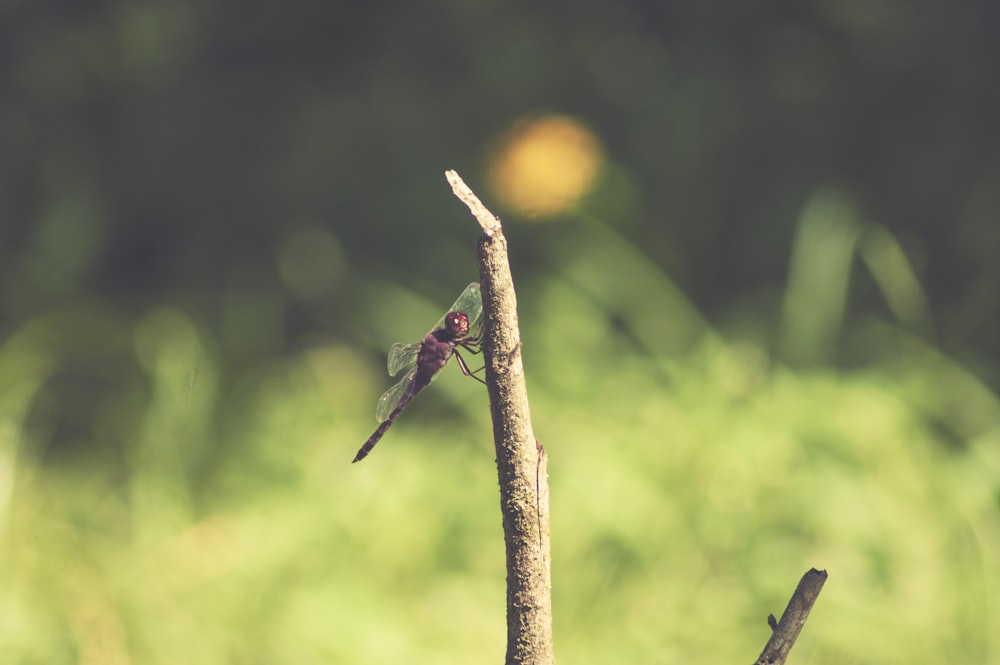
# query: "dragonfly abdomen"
{"points": [[381, 430], [433, 356]]}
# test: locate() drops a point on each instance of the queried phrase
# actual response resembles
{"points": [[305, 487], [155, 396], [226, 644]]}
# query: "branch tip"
{"points": [[786, 631], [489, 222]]}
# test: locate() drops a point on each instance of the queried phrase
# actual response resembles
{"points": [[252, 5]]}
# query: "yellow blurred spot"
{"points": [[545, 165]]}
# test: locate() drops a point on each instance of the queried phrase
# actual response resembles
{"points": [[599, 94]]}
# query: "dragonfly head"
{"points": [[457, 324]]}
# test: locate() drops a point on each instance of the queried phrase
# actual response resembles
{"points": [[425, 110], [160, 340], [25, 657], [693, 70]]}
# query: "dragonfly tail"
{"points": [[378, 433], [372, 440]]}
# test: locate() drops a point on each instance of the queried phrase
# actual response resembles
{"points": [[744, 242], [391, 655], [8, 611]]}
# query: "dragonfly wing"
{"points": [[402, 356], [469, 303], [391, 397]]}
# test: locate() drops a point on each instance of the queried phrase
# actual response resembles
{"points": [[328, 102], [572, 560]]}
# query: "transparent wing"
{"points": [[390, 398], [402, 356], [469, 303]]}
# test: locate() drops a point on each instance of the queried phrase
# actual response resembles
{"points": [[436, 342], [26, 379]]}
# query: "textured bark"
{"points": [[521, 461]]}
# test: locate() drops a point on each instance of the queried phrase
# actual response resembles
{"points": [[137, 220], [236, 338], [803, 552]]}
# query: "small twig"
{"points": [[523, 480], [788, 628]]}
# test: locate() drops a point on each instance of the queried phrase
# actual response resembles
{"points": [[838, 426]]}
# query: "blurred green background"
{"points": [[756, 251]]}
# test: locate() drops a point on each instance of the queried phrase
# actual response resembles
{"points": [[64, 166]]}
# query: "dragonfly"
{"points": [[426, 358]]}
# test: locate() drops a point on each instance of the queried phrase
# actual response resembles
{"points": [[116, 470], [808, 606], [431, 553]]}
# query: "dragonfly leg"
{"points": [[465, 368], [470, 345]]}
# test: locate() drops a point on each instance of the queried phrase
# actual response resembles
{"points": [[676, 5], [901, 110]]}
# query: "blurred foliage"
{"points": [[755, 254]]}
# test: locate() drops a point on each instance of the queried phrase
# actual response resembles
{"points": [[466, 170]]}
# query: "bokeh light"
{"points": [[544, 165]]}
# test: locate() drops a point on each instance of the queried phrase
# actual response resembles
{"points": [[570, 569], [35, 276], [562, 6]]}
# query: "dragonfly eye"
{"points": [[457, 323]]}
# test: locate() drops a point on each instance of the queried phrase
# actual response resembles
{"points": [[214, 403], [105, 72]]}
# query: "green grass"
{"points": [[214, 518]]}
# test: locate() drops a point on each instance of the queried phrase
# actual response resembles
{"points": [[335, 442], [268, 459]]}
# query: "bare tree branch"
{"points": [[520, 458], [787, 630]]}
